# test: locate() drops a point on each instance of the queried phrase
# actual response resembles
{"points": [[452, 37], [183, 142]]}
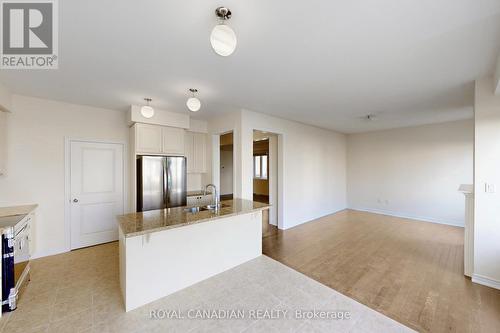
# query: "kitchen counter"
{"points": [[141, 223]]}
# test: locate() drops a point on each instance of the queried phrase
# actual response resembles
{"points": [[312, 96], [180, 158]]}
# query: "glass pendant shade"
{"points": [[147, 111], [193, 104], [223, 40]]}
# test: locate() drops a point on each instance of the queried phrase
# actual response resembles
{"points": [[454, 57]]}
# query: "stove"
{"points": [[15, 258]]}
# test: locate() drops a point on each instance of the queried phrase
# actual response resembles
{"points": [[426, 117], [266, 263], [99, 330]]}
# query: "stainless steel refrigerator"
{"points": [[161, 182]]}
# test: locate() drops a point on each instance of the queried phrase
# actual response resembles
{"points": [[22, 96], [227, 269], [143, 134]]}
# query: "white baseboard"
{"points": [[485, 281], [406, 216], [315, 218], [46, 253]]}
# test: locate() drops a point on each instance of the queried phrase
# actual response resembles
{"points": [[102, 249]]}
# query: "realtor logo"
{"points": [[29, 34]]}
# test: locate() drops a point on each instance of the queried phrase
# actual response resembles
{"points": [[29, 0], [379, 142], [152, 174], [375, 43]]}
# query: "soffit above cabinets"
{"points": [[160, 117]]}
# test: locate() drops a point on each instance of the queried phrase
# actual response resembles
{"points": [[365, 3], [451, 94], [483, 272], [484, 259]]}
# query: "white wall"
{"points": [[487, 170], [311, 168], [5, 98], [35, 170], [412, 172], [496, 82], [226, 172], [3, 141]]}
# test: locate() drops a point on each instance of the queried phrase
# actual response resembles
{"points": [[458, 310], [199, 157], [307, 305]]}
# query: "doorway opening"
{"points": [[226, 166], [265, 178]]}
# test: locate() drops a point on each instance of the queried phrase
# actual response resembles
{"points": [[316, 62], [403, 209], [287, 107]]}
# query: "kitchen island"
{"points": [[163, 251]]}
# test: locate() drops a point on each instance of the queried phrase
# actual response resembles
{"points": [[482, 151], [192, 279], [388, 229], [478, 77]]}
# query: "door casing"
{"points": [[67, 181]]}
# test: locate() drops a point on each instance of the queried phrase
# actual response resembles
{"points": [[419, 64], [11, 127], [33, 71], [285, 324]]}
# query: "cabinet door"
{"points": [[189, 151], [173, 141], [31, 239], [148, 139], [200, 152]]}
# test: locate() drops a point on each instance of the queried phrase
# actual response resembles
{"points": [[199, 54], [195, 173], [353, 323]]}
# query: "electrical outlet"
{"points": [[489, 188]]}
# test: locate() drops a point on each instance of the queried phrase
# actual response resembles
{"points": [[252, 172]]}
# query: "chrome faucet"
{"points": [[215, 194]]}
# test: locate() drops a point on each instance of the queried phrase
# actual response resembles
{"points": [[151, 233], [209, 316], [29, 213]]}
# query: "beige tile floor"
{"points": [[79, 292]]}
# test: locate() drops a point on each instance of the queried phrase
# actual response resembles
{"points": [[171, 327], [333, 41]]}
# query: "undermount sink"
{"points": [[197, 209], [192, 209], [212, 207]]}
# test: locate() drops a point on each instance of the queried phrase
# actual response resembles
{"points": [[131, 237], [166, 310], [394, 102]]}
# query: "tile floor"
{"points": [[79, 292]]}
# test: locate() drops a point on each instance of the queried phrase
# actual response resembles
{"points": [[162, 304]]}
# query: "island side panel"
{"points": [[121, 260], [161, 263]]}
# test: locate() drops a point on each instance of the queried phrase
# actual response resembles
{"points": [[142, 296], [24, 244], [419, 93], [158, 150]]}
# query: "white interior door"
{"points": [[96, 188]]}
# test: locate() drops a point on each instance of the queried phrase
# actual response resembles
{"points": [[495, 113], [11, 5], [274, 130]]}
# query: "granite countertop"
{"points": [[9, 216], [136, 224], [10, 221], [17, 210], [197, 193]]}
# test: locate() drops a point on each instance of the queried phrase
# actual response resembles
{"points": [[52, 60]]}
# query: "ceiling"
{"points": [[325, 63]]}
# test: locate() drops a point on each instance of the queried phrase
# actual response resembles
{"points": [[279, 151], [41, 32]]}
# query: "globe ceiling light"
{"points": [[147, 111], [223, 38], [193, 103]]}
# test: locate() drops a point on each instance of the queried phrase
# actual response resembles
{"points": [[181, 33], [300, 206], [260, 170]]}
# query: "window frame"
{"points": [[261, 166]]}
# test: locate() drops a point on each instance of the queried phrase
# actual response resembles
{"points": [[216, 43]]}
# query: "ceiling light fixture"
{"points": [[147, 111], [223, 38], [193, 103]]}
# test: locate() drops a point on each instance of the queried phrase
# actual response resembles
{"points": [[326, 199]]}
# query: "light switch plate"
{"points": [[489, 188]]}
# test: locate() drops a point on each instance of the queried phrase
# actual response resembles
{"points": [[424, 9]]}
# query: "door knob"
{"points": [[75, 200]]}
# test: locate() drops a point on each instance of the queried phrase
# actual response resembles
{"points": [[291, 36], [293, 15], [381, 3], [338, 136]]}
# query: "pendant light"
{"points": [[193, 103], [147, 111], [223, 38]]}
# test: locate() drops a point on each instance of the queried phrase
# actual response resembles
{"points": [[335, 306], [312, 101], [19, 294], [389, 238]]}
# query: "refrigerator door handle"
{"points": [[165, 182], [169, 181]]}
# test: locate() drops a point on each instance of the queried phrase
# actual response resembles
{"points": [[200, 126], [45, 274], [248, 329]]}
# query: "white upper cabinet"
{"points": [[196, 152], [189, 151], [154, 139], [148, 138], [3, 142], [200, 152], [173, 140]]}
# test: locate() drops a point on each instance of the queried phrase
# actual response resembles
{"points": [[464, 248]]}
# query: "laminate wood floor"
{"points": [[409, 270]]}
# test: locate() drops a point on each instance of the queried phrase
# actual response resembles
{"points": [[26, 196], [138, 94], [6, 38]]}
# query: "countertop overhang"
{"points": [[10, 216], [17, 210], [141, 223]]}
